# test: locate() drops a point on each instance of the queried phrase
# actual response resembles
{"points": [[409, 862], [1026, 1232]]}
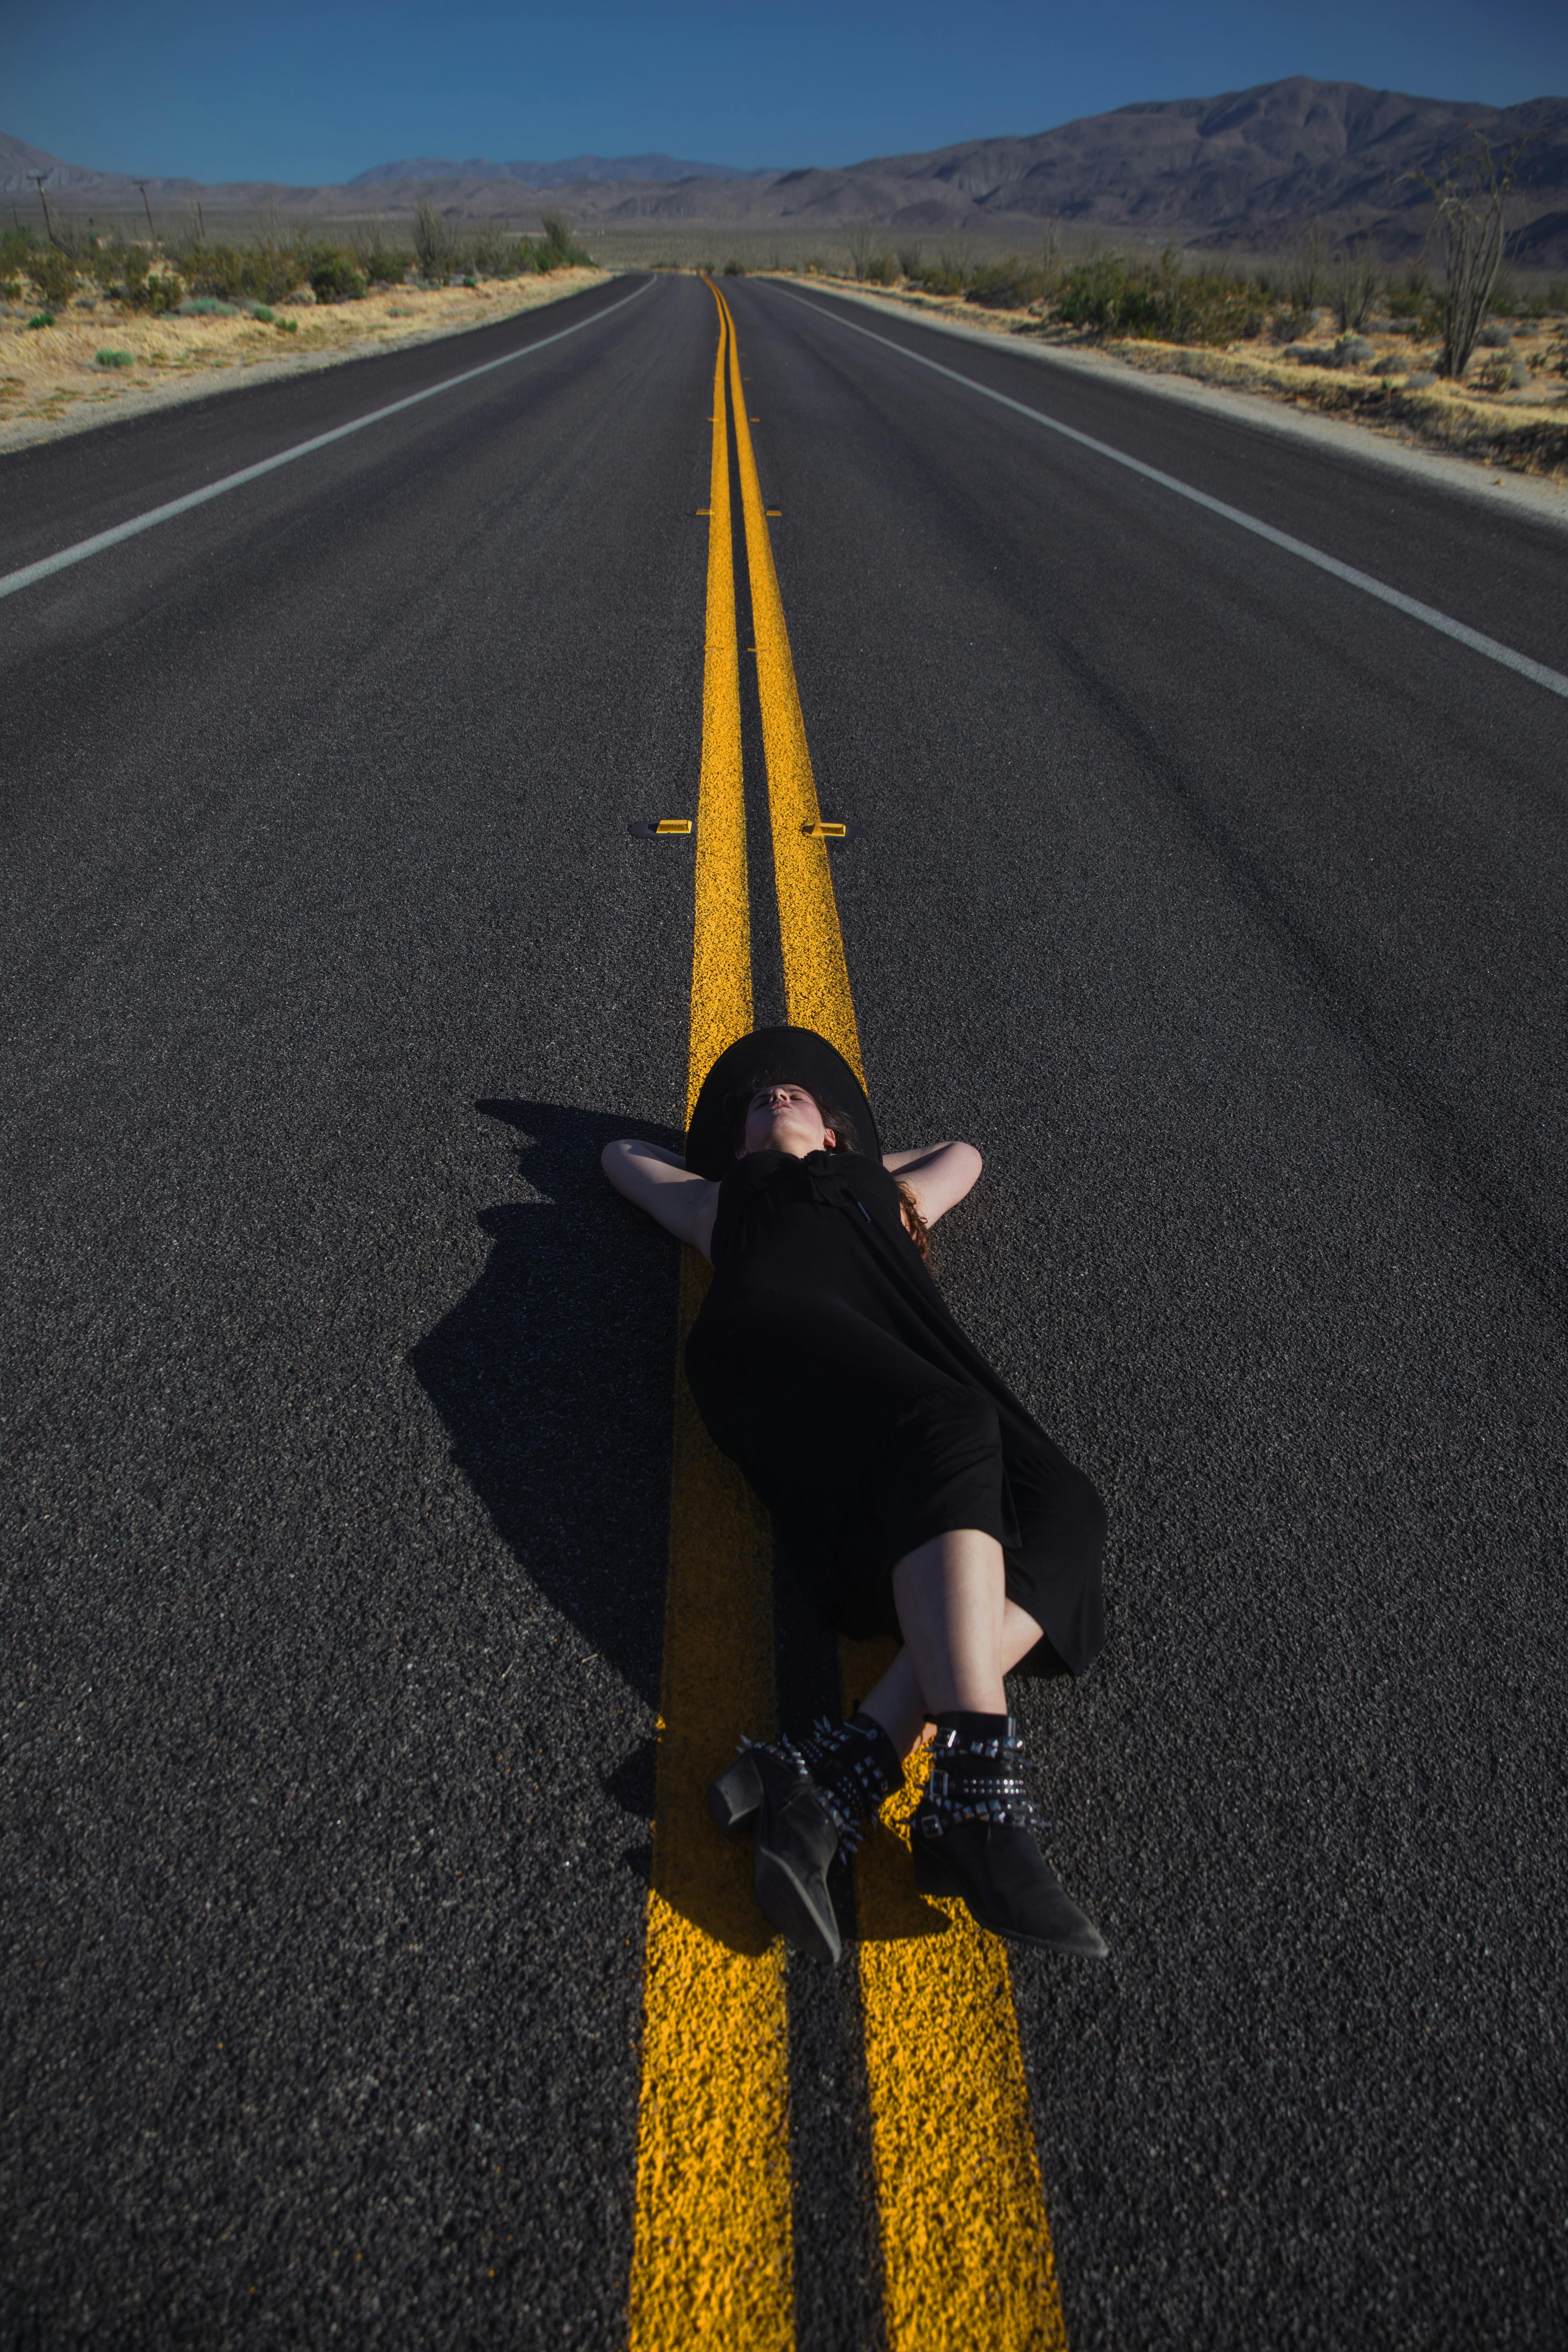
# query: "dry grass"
{"points": [[50, 381], [1526, 430]]}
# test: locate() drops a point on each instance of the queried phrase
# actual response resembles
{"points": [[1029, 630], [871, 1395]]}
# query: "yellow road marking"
{"points": [[817, 984], [966, 2246], [711, 2237]]}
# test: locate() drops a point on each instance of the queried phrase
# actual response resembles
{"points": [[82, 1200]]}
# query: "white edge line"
{"points": [[11, 582], [1537, 672]]}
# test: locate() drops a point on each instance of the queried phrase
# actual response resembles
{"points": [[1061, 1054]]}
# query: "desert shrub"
{"points": [[941, 277], [1353, 351], [252, 273], [10, 289], [207, 305], [1355, 289], [881, 269], [1494, 373], [382, 264], [909, 258], [734, 269], [433, 241], [1505, 298], [1287, 325], [52, 276], [557, 249], [1494, 336], [42, 318], [113, 359], [1111, 295], [1005, 285], [142, 287], [332, 275]]}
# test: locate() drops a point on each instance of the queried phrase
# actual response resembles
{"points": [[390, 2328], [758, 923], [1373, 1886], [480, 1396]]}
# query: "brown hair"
{"points": [[920, 1233]]}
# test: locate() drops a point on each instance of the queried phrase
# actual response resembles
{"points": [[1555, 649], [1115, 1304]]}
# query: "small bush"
{"points": [[1494, 374], [1494, 336], [144, 289], [910, 262], [941, 278], [1112, 296], [10, 289], [113, 359], [382, 265], [207, 305], [558, 251], [1005, 285], [42, 318], [333, 277], [433, 241], [881, 269], [269, 318], [734, 269], [52, 276]]}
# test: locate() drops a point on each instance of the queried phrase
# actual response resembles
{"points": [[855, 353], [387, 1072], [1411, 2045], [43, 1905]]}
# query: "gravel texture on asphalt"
{"points": [[1223, 908]]}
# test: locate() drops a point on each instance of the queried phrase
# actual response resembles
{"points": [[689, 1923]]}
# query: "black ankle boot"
{"points": [[973, 1836], [804, 1800]]}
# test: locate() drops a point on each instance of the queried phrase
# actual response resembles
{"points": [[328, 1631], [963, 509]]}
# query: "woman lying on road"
{"points": [[925, 1500]]}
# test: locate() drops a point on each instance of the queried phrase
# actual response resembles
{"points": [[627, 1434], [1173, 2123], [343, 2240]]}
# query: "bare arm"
{"points": [[938, 1176], [659, 1181]]}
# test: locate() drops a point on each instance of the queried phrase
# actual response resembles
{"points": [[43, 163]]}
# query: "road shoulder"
{"points": [[1542, 499]]}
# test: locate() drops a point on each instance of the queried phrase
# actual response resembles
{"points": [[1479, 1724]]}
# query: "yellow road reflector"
{"points": [[829, 830], [775, 511], [704, 510], [651, 830]]}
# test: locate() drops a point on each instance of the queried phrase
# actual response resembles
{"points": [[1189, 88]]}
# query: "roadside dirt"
{"points": [[53, 381]]}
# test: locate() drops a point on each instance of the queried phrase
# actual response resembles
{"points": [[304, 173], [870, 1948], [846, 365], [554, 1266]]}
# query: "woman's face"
{"points": [[784, 1118]]}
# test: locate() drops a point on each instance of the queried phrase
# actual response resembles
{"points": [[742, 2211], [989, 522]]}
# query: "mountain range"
{"points": [[1245, 169], [603, 169]]}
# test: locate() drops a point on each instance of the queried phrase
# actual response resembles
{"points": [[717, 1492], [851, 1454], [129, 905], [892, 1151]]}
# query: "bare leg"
{"points": [[961, 1635]]}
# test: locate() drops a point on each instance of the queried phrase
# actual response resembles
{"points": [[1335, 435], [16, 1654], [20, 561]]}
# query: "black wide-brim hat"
{"points": [[771, 1057]]}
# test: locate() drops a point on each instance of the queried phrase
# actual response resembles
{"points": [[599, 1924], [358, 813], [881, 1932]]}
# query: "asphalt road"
{"points": [[1222, 905]]}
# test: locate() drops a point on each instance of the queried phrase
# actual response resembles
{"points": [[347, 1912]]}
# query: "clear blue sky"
{"points": [[294, 92]]}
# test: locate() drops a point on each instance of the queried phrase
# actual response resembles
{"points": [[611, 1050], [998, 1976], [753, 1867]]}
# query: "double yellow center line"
{"points": [[965, 2246]]}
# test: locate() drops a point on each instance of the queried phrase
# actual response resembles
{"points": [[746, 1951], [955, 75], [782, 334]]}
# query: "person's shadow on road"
{"points": [[554, 1377]]}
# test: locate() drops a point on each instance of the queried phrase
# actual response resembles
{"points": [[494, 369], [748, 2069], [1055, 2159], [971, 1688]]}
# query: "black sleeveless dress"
{"points": [[824, 1362]]}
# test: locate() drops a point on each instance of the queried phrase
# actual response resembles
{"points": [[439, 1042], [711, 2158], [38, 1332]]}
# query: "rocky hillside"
{"points": [[1249, 169]]}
